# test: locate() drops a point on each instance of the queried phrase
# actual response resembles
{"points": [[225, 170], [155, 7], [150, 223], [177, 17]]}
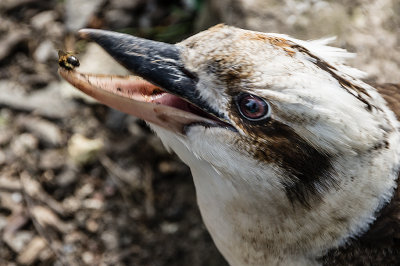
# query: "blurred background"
{"points": [[82, 184]]}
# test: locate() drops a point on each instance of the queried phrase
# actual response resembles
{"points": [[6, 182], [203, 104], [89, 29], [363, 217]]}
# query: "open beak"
{"points": [[162, 93]]}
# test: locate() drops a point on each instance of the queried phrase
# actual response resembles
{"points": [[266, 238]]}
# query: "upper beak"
{"points": [[156, 62], [161, 67]]}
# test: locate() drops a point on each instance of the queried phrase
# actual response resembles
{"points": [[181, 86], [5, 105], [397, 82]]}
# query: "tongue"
{"points": [[179, 103]]}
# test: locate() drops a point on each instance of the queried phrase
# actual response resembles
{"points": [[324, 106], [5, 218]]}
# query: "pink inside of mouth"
{"points": [[138, 89], [179, 103]]}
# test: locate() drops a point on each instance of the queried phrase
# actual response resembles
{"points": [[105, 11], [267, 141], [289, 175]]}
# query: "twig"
{"points": [[116, 175], [148, 190]]}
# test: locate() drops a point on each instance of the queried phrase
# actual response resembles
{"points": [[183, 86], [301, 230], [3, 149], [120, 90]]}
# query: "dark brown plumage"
{"points": [[380, 245]]}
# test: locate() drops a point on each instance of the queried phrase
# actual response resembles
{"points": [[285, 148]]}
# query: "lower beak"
{"points": [[164, 94]]}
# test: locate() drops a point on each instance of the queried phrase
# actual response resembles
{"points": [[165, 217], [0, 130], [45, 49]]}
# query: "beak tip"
{"points": [[86, 33]]}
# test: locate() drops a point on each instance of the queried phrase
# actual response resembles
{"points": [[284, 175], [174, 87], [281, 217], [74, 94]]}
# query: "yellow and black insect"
{"points": [[67, 60]]}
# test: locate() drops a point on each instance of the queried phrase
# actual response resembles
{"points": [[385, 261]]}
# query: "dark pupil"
{"points": [[251, 106]]}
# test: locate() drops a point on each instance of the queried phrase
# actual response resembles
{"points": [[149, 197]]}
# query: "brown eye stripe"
{"points": [[273, 142]]}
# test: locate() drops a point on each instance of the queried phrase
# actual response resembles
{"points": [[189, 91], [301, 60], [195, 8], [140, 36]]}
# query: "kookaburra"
{"points": [[294, 158]]}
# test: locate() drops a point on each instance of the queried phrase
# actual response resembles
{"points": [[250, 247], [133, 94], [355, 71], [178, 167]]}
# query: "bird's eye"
{"points": [[253, 108]]}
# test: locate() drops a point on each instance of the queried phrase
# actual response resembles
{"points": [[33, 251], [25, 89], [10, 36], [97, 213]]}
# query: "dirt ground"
{"points": [[81, 184]]}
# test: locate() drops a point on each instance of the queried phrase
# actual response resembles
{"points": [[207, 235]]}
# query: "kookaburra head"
{"points": [[291, 154]]}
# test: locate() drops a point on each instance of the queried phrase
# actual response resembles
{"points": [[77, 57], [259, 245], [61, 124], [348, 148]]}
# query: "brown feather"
{"points": [[391, 93], [380, 245]]}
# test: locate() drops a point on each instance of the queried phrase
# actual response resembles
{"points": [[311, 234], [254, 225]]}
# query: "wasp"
{"points": [[67, 60]]}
